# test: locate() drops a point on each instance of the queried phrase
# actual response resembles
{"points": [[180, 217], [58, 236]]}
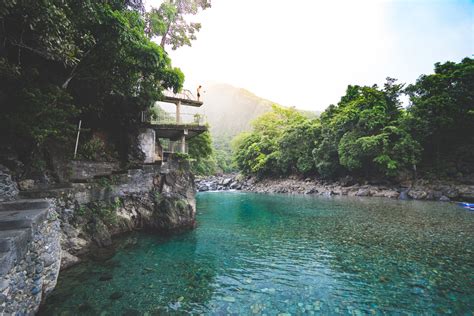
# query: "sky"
{"points": [[304, 53]]}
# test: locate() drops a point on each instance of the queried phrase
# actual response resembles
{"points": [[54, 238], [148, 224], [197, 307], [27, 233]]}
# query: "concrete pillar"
{"points": [[178, 112], [183, 144], [146, 141]]}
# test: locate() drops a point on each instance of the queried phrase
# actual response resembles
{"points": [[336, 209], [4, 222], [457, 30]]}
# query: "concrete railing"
{"points": [[170, 147], [171, 118]]}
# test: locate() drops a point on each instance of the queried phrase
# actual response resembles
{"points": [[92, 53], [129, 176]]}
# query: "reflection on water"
{"points": [[298, 255]]}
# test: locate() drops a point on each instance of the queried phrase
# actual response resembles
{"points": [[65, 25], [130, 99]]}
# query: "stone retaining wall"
{"points": [[32, 271]]}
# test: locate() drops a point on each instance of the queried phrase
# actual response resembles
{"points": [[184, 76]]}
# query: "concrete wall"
{"points": [[86, 170]]}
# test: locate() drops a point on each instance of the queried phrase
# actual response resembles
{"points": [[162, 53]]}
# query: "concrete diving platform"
{"points": [[175, 131]]}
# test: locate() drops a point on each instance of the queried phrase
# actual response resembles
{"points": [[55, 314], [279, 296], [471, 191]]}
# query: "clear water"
{"points": [[280, 254]]}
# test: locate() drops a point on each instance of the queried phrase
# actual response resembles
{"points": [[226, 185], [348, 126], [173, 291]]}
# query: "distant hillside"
{"points": [[230, 110]]}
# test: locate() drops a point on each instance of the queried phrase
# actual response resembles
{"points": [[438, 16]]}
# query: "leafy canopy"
{"points": [[169, 22], [65, 60]]}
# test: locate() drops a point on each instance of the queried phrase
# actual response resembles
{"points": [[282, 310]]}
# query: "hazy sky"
{"points": [[304, 53]]}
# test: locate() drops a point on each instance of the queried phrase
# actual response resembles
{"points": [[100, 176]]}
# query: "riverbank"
{"points": [[417, 190]]}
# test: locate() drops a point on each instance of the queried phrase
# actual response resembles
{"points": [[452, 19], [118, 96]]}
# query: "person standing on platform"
{"points": [[199, 92]]}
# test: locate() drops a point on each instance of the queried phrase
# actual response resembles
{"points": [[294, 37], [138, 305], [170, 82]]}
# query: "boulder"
{"points": [[466, 192], [390, 194], [68, 260], [363, 192], [444, 199], [8, 187], [404, 195], [27, 184], [418, 194], [226, 181], [452, 193], [347, 181]]}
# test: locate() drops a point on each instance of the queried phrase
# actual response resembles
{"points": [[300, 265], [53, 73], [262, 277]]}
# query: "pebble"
{"points": [[228, 299]]}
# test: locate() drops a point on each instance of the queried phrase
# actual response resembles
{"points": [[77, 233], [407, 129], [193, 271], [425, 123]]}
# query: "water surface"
{"points": [[298, 255]]}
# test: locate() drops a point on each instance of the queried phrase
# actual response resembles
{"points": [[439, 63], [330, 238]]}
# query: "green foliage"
{"points": [[62, 61], [201, 151], [181, 204], [181, 156], [157, 197], [94, 150], [369, 134], [441, 116], [169, 23], [105, 211], [363, 134], [277, 144]]}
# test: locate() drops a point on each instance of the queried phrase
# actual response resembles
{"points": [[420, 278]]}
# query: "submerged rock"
{"points": [[404, 195], [115, 295], [106, 277]]}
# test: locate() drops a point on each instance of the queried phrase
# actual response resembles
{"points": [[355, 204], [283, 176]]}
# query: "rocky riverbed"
{"points": [[417, 190]]}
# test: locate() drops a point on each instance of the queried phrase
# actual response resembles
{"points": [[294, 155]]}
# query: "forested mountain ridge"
{"points": [[231, 110], [369, 135]]}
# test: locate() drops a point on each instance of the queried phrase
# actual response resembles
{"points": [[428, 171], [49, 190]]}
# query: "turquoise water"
{"points": [[280, 254]]}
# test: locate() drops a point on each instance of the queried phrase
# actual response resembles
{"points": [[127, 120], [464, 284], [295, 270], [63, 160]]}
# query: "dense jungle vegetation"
{"points": [[368, 134], [62, 61]]}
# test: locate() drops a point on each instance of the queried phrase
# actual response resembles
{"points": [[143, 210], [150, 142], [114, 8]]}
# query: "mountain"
{"points": [[230, 110]]}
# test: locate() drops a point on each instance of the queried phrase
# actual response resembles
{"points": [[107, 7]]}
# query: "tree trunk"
{"points": [[163, 39]]}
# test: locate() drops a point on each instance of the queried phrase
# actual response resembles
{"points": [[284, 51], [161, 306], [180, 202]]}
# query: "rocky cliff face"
{"points": [[158, 200]]}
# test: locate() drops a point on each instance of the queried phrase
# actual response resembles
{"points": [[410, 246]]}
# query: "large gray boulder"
{"points": [[8, 187]]}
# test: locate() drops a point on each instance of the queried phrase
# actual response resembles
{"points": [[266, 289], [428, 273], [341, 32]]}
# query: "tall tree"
{"points": [[169, 22]]}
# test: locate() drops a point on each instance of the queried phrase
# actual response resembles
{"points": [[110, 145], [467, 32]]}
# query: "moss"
{"points": [[181, 204], [157, 197], [105, 211]]}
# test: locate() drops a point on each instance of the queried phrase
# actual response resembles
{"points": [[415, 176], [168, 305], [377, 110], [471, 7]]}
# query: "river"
{"points": [[281, 254]]}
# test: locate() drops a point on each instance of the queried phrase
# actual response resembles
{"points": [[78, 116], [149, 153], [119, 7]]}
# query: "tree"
{"points": [[270, 149], [201, 151], [169, 22], [296, 146], [363, 134], [441, 116]]}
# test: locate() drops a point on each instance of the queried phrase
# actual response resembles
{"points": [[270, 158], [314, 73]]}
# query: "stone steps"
{"points": [[24, 204], [21, 218], [13, 238]]}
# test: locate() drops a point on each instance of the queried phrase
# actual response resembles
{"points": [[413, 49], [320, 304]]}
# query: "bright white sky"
{"points": [[304, 53]]}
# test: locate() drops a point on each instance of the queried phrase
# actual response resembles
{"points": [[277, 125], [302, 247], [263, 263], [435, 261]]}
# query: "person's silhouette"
{"points": [[199, 92]]}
